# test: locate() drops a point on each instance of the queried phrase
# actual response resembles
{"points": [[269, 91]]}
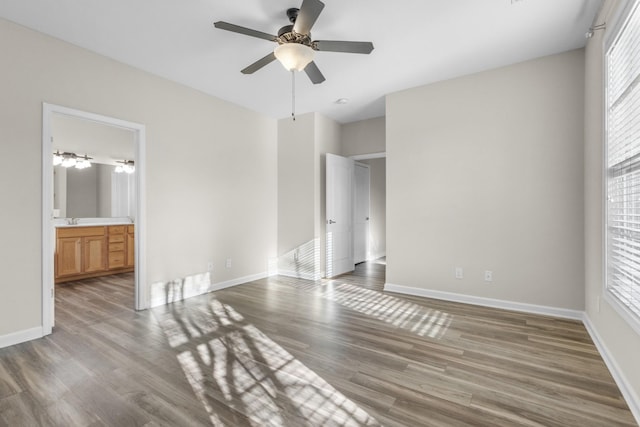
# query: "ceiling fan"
{"points": [[295, 48]]}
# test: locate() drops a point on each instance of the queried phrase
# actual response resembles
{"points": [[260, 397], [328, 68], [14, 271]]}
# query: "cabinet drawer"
{"points": [[116, 239], [116, 259], [80, 231], [115, 247], [116, 229]]}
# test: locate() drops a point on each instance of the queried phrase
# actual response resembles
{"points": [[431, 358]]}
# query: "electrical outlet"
{"points": [[488, 276], [459, 273], [210, 266], [228, 263]]}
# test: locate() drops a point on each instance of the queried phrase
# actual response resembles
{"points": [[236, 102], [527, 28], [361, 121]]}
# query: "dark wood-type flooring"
{"points": [[287, 352]]}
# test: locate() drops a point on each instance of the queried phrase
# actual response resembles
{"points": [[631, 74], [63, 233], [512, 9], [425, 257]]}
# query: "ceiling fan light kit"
{"points": [[294, 56]]}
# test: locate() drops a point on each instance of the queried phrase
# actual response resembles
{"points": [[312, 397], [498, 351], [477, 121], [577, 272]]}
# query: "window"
{"points": [[623, 163]]}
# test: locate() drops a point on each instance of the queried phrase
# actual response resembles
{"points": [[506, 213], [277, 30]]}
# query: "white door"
{"points": [[361, 213], [339, 238]]}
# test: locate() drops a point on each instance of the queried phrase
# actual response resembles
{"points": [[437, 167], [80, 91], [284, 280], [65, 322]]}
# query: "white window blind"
{"points": [[623, 163]]}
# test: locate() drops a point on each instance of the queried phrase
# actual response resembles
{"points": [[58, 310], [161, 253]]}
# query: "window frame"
{"points": [[611, 36]]}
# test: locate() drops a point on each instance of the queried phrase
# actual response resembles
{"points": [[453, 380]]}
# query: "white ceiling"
{"points": [[416, 42]]}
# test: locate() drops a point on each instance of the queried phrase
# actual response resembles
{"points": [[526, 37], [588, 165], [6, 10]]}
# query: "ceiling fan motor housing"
{"points": [[292, 14], [287, 35]]}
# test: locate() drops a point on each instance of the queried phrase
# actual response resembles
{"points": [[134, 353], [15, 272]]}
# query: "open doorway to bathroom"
{"points": [[93, 193]]}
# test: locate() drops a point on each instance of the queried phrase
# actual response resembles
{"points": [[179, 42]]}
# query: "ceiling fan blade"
{"points": [[342, 46], [259, 64], [314, 73], [307, 16], [243, 30]]}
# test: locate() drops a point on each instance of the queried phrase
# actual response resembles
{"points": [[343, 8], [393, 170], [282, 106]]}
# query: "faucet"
{"points": [[72, 221]]}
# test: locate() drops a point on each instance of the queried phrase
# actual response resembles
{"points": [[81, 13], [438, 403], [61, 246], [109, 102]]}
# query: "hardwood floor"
{"points": [[290, 352]]}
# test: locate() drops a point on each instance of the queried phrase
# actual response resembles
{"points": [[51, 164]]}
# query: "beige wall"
{"points": [[622, 343], [485, 172], [296, 182], [297, 247], [363, 137], [211, 167], [302, 145], [328, 140]]}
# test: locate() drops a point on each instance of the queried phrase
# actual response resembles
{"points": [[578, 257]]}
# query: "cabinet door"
{"points": [[94, 254], [116, 259], [131, 250], [69, 256]]}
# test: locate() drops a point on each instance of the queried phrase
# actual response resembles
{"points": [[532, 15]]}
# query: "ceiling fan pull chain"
{"points": [[293, 95]]}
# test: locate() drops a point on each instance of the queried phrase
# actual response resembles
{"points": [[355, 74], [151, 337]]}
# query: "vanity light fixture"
{"points": [[69, 160], [83, 162], [127, 166], [57, 158]]}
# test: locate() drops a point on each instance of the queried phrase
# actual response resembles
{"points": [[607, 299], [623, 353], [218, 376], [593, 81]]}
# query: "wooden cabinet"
{"points": [[116, 246], [131, 246], [93, 251], [79, 250], [68, 256], [83, 252]]}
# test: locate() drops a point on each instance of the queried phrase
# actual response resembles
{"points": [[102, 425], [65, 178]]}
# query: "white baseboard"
{"points": [[300, 274], [376, 256], [486, 302], [163, 293], [629, 395], [20, 336], [239, 281]]}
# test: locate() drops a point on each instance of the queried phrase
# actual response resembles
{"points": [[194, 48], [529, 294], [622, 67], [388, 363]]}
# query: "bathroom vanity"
{"points": [[84, 251]]}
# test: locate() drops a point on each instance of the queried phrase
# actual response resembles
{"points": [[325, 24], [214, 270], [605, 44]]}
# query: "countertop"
{"points": [[91, 222]]}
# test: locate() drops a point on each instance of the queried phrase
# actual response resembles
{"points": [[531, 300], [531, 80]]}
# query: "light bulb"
{"points": [[57, 158], [69, 161], [83, 164], [294, 56]]}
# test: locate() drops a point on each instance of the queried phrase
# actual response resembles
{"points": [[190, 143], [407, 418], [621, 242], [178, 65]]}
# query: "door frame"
{"points": [[48, 230]]}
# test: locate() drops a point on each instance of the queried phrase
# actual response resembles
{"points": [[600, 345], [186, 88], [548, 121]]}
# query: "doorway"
{"points": [[50, 113], [356, 211], [377, 229]]}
